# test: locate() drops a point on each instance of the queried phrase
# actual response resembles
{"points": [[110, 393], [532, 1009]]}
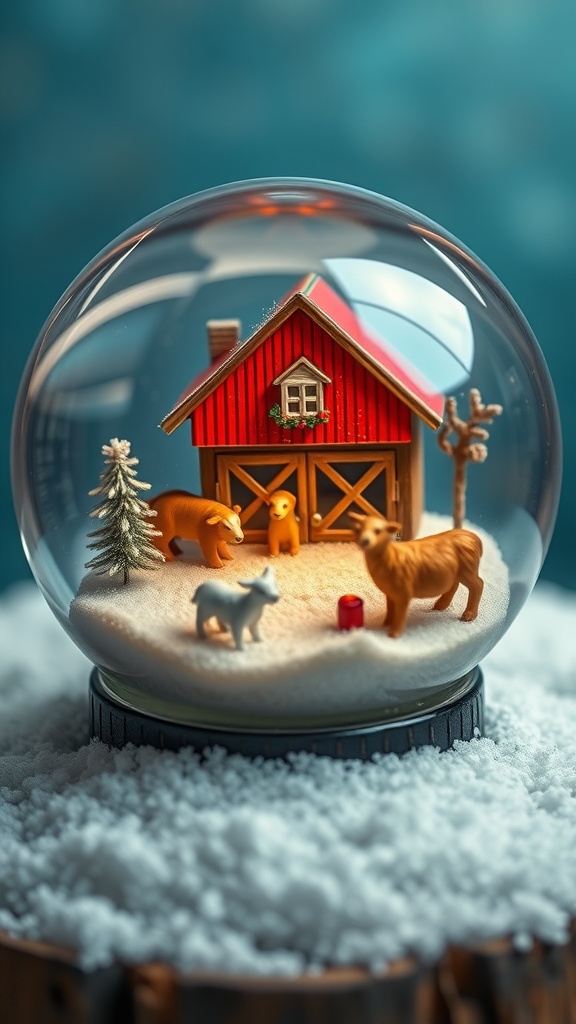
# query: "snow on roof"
{"points": [[319, 300]]}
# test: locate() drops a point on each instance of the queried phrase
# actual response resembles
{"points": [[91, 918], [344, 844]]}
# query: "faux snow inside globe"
{"points": [[286, 465]]}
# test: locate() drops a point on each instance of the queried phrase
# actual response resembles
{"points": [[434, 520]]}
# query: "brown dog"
{"points": [[283, 531], [426, 567], [185, 515]]}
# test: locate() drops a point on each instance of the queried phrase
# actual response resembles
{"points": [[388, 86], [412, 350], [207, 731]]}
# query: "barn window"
{"points": [[302, 389], [302, 399]]}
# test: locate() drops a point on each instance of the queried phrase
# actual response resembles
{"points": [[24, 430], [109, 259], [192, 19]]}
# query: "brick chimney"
{"points": [[222, 336]]}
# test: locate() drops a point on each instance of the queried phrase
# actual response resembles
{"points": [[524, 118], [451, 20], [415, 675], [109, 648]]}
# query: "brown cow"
{"points": [[426, 567], [209, 522]]}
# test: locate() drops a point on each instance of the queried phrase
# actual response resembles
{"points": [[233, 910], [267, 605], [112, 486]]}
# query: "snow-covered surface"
{"points": [[264, 867], [304, 666]]}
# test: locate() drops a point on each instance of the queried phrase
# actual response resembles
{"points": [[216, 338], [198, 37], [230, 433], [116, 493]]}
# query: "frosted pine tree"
{"points": [[124, 539]]}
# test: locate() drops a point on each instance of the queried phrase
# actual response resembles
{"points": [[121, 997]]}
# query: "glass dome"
{"points": [[277, 355]]}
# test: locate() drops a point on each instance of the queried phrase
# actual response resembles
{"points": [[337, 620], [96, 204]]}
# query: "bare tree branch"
{"points": [[467, 447]]}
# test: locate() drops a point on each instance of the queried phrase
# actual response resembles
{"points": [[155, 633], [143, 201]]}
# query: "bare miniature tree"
{"points": [[468, 446], [125, 537]]}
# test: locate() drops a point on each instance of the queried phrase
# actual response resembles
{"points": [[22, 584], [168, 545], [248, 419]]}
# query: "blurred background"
{"points": [[110, 109]]}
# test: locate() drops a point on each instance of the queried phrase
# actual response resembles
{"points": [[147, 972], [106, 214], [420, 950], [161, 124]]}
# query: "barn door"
{"points": [[245, 480], [348, 482]]}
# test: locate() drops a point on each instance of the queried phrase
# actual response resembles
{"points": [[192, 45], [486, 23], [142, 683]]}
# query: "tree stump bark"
{"points": [[487, 984]]}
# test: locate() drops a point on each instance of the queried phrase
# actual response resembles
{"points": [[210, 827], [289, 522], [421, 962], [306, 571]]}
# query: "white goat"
{"points": [[233, 609]]}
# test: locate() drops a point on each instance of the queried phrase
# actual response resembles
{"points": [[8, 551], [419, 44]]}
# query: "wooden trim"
{"points": [[351, 493], [416, 475], [394, 460], [315, 372], [208, 478], [404, 508], [228, 465], [380, 462], [328, 446]]}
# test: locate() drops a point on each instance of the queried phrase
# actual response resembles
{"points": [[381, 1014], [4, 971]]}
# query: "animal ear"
{"points": [[247, 584], [237, 509], [212, 520], [356, 517], [393, 528]]}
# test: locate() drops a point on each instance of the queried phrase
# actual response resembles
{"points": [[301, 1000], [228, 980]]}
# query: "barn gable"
{"points": [[237, 411], [366, 392]]}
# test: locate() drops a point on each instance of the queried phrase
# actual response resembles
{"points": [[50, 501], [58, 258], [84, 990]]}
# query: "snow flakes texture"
{"points": [[262, 867], [148, 628]]}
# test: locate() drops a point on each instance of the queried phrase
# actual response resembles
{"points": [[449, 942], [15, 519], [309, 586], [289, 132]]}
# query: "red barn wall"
{"points": [[362, 410]]}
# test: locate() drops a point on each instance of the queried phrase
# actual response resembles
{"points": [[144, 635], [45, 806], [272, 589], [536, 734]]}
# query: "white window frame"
{"points": [[298, 377]]}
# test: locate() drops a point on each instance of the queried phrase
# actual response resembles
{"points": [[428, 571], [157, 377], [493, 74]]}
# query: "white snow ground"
{"points": [[304, 666], [262, 867]]}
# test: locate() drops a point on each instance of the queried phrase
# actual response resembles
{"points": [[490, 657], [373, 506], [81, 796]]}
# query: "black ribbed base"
{"points": [[461, 720]]}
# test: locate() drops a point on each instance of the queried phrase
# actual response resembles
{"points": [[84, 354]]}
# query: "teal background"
{"points": [[110, 109]]}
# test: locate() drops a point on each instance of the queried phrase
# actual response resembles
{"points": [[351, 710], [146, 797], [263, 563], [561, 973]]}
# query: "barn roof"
{"points": [[319, 301]]}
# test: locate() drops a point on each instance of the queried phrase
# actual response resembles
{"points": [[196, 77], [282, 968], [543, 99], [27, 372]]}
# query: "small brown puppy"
{"points": [[283, 531]]}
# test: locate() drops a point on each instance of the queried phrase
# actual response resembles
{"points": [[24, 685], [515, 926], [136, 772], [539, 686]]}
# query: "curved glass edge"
{"points": [[122, 245], [423, 702]]}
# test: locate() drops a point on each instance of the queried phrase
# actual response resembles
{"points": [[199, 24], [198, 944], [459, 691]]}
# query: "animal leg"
{"points": [[222, 549], [254, 628], [475, 588], [168, 548], [273, 547], [294, 546], [174, 548], [238, 638], [200, 624], [396, 626], [445, 600], [210, 552], [389, 612]]}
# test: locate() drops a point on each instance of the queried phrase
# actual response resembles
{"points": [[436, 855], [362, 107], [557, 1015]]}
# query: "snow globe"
{"points": [[286, 462]]}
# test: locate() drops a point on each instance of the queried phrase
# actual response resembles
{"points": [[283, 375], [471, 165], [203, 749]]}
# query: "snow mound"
{"points": [[145, 631], [265, 867]]}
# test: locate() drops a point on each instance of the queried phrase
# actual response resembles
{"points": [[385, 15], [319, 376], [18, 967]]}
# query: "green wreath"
{"points": [[291, 422]]}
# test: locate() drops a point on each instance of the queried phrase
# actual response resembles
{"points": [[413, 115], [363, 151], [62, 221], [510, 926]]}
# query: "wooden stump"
{"points": [[405, 993], [43, 984], [497, 984], [488, 984]]}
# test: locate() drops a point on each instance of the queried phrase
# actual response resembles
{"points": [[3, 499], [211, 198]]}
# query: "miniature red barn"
{"points": [[315, 404]]}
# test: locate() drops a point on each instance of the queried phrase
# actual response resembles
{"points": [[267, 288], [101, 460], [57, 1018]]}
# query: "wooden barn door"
{"points": [[245, 480], [339, 483]]}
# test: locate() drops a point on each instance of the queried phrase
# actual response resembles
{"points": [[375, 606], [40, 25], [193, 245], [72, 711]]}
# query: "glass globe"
{"points": [[309, 376]]}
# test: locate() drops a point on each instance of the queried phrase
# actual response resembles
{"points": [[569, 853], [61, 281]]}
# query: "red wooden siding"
{"points": [[362, 410]]}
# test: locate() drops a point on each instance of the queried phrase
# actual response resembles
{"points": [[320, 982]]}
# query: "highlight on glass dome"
{"points": [[286, 459]]}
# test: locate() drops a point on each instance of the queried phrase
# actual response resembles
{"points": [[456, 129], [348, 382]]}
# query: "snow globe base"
{"points": [[460, 719]]}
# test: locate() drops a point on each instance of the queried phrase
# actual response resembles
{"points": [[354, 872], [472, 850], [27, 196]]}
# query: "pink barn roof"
{"points": [[326, 307]]}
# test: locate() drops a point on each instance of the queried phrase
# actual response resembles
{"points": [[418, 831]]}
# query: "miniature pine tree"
{"points": [[125, 538], [468, 447]]}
